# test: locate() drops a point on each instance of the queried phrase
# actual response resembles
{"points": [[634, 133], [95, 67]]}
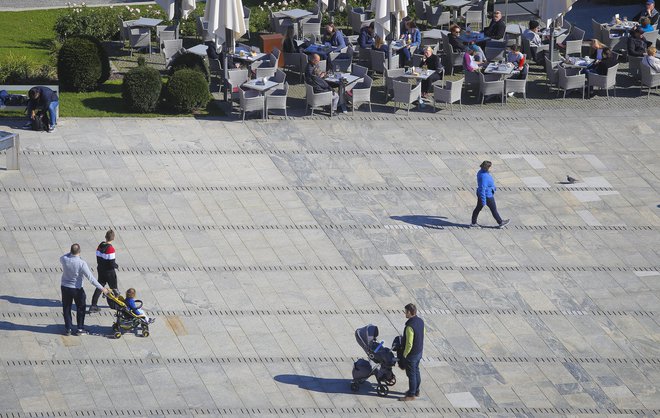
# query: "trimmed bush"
{"points": [[141, 89], [82, 64], [186, 91], [192, 62]]}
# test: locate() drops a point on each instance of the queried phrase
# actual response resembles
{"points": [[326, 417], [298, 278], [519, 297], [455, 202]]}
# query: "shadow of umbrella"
{"points": [[433, 222], [328, 385]]}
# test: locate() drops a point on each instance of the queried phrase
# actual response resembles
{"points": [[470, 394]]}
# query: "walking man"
{"points": [[486, 195], [74, 269], [413, 343], [105, 265]]}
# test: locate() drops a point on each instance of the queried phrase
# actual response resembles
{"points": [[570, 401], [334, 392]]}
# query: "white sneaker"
{"points": [[510, 94], [52, 129]]}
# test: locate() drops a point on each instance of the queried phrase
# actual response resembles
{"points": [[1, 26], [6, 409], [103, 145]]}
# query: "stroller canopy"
{"points": [[366, 335]]}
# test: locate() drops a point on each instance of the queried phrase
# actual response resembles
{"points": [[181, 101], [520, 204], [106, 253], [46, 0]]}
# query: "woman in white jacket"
{"points": [[651, 61]]}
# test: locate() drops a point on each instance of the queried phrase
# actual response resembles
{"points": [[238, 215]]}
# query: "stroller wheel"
{"points": [[355, 386], [382, 390], [115, 327], [145, 333], [392, 381], [117, 334]]}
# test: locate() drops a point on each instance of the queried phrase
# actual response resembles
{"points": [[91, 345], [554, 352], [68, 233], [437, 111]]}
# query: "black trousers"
{"points": [[69, 295], [426, 84], [490, 202], [108, 277]]}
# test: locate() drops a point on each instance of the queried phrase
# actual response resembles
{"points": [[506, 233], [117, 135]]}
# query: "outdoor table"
{"points": [[261, 86], [558, 32], [434, 34], [503, 70], [247, 55], [295, 15], [200, 50], [576, 62], [322, 50], [473, 37], [146, 22], [342, 80], [418, 75], [455, 5]]}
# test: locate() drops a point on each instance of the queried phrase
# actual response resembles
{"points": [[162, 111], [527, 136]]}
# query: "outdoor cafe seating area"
{"points": [[255, 75]]}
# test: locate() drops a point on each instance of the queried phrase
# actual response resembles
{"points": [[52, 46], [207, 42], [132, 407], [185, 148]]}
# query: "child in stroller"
{"points": [[383, 357], [129, 313]]}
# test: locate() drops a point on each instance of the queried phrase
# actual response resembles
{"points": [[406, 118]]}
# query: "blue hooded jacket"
{"points": [[485, 185]]}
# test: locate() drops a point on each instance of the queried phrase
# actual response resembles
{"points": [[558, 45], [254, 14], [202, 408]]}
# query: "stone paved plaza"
{"points": [[260, 248]]}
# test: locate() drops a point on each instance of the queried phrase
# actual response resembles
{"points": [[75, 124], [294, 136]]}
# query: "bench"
{"points": [[23, 89], [10, 140]]}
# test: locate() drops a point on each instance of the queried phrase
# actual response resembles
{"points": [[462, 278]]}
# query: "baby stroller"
{"points": [[126, 319], [383, 358]]}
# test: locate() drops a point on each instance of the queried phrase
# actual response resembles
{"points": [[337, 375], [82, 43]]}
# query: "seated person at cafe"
{"points": [[596, 49], [497, 28], [470, 63], [380, 45], [412, 35], [645, 25], [432, 62], [648, 11], [651, 61], [333, 37], [637, 44], [537, 44], [515, 57], [458, 46], [289, 45], [609, 60], [366, 37], [314, 77]]}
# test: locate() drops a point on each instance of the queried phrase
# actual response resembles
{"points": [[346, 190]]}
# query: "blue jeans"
{"points": [[412, 371], [52, 112]]}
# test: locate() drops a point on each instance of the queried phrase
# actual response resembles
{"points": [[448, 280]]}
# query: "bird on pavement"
{"points": [[571, 180]]}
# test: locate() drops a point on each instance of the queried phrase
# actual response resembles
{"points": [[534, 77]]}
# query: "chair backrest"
{"points": [[377, 61], [652, 37], [527, 47], [420, 9], [172, 45], [359, 70], [474, 17], [276, 54], [574, 47], [634, 64], [237, 76], [611, 75], [575, 34], [279, 77], [215, 66], [401, 91], [596, 29], [646, 75], [456, 88], [265, 72], [494, 54], [140, 37], [311, 28]]}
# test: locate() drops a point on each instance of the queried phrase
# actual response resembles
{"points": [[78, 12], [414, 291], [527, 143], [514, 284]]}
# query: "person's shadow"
{"points": [[57, 329], [46, 303], [328, 385], [425, 221]]}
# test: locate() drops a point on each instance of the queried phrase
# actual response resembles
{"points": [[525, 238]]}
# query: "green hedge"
{"points": [[82, 64], [192, 62], [187, 90], [141, 89]]}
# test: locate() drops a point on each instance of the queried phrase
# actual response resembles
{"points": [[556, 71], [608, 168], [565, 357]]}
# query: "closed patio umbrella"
{"points": [[177, 9], [225, 17], [382, 10], [550, 11]]}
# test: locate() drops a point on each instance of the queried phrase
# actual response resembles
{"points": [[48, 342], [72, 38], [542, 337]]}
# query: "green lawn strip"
{"points": [[107, 102], [28, 33]]}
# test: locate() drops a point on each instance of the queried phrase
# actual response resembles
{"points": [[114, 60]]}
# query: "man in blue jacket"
{"points": [[413, 347], [486, 195]]}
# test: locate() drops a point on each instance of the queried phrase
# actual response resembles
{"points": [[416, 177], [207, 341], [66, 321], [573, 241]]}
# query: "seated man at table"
{"points": [[515, 57], [537, 44], [314, 77], [651, 61], [470, 63], [333, 37], [459, 46], [497, 28], [412, 38], [366, 38], [432, 62], [649, 11], [637, 44]]}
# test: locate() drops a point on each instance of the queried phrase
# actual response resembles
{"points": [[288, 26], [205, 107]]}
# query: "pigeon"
{"points": [[571, 180]]}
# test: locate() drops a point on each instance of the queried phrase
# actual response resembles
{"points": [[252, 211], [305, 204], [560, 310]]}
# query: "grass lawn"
{"points": [[28, 33]]}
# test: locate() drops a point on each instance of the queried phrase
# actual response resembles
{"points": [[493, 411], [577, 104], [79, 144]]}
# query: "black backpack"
{"points": [[40, 122]]}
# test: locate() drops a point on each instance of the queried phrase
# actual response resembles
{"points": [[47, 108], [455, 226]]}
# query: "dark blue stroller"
{"points": [[383, 359]]}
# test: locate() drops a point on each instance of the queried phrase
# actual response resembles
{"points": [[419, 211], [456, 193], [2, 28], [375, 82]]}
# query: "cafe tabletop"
{"points": [[260, 85], [396, 45], [434, 33], [295, 14], [335, 78], [455, 3], [577, 62], [558, 32], [418, 74], [199, 50], [467, 38], [320, 49], [146, 22], [504, 69], [245, 55]]}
